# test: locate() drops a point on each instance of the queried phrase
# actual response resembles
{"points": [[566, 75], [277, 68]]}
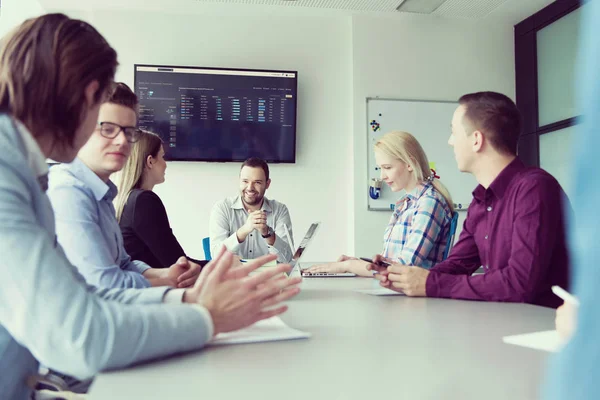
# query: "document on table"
{"points": [[269, 330], [380, 292], [544, 340]]}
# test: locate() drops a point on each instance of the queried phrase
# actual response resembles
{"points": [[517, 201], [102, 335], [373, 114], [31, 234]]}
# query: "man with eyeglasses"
{"points": [[82, 196]]}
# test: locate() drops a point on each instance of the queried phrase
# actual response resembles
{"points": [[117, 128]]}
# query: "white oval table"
{"points": [[362, 347]]}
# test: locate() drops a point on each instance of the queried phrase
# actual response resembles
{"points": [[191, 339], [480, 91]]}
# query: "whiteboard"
{"points": [[428, 121]]}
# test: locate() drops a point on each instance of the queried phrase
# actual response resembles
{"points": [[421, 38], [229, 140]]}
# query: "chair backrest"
{"points": [[451, 234], [206, 246]]}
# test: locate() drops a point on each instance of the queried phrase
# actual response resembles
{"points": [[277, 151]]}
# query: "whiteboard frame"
{"points": [[369, 208]]}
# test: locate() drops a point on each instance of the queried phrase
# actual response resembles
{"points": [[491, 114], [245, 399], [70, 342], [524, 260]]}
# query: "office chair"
{"points": [[206, 246], [451, 234]]}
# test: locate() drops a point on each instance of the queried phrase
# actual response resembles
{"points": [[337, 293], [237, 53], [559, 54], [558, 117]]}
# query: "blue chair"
{"points": [[450, 242], [206, 246]]}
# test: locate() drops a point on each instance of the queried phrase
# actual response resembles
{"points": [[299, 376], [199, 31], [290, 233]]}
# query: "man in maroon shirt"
{"points": [[515, 226]]}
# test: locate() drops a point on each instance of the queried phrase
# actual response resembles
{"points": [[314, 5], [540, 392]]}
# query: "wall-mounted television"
{"points": [[219, 114]]}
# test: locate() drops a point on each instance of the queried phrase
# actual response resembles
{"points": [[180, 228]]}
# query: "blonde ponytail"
{"points": [[406, 148], [132, 175], [441, 189]]}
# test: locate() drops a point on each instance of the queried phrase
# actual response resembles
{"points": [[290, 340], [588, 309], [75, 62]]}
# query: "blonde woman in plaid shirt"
{"points": [[418, 229]]}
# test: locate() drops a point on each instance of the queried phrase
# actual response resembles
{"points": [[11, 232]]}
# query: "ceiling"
{"points": [[467, 9], [460, 8], [504, 11]]}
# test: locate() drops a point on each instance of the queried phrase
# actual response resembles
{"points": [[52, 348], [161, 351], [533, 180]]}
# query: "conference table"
{"points": [[362, 347]]}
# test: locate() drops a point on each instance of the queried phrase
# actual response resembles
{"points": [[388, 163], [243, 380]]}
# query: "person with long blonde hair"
{"points": [[147, 233], [418, 230], [514, 229]]}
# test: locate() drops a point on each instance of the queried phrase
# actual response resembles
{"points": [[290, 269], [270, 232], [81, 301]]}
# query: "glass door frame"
{"points": [[526, 76]]}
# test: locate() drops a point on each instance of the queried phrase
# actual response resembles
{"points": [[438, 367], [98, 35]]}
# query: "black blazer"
{"points": [[147, 234]]}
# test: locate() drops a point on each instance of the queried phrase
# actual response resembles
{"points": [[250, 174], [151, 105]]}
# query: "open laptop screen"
{"points": [[305, 241]]}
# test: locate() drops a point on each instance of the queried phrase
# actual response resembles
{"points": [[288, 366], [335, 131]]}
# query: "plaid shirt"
{"points": [[418, 230]]}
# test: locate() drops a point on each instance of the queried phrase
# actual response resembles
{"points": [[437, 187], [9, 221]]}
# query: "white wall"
{"points": [[419, 57], [15, 12], [341, 59], [318, 186]]}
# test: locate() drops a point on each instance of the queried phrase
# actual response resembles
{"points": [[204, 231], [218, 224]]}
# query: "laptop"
{"points": [[295, 262], [307, 274], [310, 234]]}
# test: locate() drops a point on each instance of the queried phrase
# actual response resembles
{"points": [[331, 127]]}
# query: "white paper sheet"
{"points": [[544, 340], [269, 330], [380, 292]]}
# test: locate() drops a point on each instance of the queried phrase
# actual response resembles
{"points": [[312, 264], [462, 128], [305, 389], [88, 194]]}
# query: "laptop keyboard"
{"points": [[306, 273]]}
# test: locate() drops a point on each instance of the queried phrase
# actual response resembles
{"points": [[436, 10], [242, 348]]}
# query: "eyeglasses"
{"points": [[111, 131]]}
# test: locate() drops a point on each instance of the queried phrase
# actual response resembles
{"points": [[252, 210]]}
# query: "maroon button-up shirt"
{"points": [[516, 230]]}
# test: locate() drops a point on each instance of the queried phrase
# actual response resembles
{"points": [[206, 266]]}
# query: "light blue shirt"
{"points": [[575, 370], [47, 312], [88, 230]]}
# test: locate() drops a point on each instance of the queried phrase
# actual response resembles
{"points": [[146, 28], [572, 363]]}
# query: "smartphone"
{"points": [[381, 263]]}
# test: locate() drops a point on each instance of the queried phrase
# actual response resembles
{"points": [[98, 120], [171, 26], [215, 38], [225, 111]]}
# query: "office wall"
{"points": [[341, 59], [319, 185], [418, 57], [15, 11]]}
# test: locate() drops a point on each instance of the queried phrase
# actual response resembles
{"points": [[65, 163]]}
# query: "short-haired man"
{"points": [[82, 197], [249, 224], [514, 228]]}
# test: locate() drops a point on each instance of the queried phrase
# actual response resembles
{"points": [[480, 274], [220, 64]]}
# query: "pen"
{"points": [[380, 264], [566, 296]]}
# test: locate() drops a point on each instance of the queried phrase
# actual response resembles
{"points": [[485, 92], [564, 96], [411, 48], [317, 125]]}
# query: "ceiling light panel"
{"points": [[469, 9], [420, 6]]}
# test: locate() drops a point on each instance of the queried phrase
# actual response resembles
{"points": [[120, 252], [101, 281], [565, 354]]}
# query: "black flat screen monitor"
{"points": [[218, 114]]}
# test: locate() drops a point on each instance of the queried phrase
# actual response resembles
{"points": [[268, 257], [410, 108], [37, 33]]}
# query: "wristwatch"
{"points": [[269, 233]]}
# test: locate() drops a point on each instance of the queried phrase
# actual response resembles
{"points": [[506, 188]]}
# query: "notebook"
{"points": [[544, 340], [268, 330]]}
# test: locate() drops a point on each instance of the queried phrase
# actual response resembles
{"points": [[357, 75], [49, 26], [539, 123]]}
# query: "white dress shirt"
{"points": [[229, 215]]}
